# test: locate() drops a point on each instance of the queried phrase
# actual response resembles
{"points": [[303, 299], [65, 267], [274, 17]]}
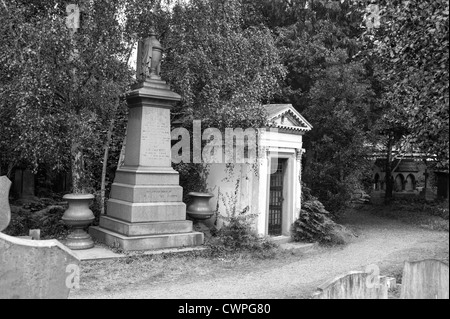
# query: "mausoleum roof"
{"points": [[286, 117]]}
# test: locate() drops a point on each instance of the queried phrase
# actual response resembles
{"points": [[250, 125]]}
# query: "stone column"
{"points": [[145, 210], [298, 185], [263, 182]]}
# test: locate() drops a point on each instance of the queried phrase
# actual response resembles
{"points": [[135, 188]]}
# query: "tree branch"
{"points": [[4, 4]]}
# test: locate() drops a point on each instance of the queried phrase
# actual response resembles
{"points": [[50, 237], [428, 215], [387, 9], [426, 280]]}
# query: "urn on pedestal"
{"points": [[199, 208], [78, 216]]}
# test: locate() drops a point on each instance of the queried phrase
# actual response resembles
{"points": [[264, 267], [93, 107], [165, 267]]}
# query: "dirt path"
{"points": [[384, 242]]}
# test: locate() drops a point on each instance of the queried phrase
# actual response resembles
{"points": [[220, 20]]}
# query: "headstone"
{"points": [[24, 182], [35, 234], [5, 210], [426, 279], [28, 181], [354, 285], [33, 269]]}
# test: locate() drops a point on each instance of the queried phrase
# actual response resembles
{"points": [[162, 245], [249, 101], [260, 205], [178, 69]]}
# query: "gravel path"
{"points": [[384, 242]]}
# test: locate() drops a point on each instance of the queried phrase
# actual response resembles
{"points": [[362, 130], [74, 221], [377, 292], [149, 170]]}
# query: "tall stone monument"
{"points": [[145, 210]]}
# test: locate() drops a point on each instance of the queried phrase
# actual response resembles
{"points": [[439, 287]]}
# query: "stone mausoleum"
{"points": [[412, 176], [270, 189]]}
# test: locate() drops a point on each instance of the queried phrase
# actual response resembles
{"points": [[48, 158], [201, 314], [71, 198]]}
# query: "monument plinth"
{"points": [[145, 210]]}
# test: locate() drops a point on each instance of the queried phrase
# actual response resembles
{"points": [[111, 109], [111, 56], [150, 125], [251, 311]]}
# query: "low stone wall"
{"points": [[33, 269], [426, 279], [354, 285], [38, 269]]}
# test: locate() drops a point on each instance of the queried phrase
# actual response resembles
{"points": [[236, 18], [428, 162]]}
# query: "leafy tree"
{"points": [[223, 71], [340, 111], [409, 54], [30, 129], [61, 91], [412, 49], [328, 84]]}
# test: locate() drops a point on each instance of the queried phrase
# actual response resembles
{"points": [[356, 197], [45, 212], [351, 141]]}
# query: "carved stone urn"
{"points": [[199, 208], [78, 216]]}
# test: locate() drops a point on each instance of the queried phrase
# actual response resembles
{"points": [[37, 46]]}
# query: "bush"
{"points": [[38, 216], [50, 223], [19, 224], [238, 236], [237, 233], [440, 210], [315, 225]]}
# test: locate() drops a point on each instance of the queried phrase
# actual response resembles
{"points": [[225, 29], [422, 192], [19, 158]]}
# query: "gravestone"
{"points": [[145, 210], [33, 269], [5, 210], [28, 181], [354, 285], [426, 279], [24, 184]]}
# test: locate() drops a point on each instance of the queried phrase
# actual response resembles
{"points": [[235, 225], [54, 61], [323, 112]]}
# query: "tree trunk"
{"points": [[105, 166], [77, 169], [10, 170], [388, 177]]}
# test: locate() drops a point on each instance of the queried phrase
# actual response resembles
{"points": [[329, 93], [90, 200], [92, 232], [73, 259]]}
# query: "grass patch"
{"points": [[433, 216], [137, 269]]}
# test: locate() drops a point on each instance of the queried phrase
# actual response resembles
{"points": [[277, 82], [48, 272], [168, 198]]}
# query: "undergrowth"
{"points": [[43, 215], [237, 235], [429, 215]]}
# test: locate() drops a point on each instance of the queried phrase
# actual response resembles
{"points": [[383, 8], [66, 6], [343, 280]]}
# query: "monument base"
{"points": [[146, 212], [149, 242]]}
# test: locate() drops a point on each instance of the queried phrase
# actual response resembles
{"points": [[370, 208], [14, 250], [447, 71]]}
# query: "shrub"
{"points": [[315, 225], [237, 233], [50, 223], [38, 216], [19, 224], [440, 210]]}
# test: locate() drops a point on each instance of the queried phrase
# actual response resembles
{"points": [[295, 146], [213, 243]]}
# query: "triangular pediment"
{"points": [[287, 119], [286, 116]]}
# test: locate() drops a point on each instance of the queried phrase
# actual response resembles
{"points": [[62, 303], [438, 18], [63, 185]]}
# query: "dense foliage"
{"points": [[329, 85], [40, 216], [411, 52], [60, 90], [224, 71], [60, 94]]}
